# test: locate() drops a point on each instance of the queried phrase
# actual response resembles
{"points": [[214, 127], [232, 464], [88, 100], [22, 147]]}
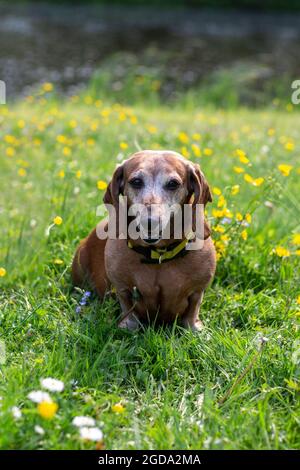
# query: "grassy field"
{"points": [[233, 386]]}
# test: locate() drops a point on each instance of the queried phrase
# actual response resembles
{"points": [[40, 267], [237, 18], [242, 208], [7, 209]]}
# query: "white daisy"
{"points": [[83, 421], [16, 412], [53, 385], [39, 430], [37, 396], [91, 434]]}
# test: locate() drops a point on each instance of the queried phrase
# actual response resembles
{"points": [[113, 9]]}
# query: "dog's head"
{"points": [[153, 182]]}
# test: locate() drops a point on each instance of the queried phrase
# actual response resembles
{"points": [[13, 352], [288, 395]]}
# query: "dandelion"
{"points": [[16, 412], [2, 272], [57, 220], [296, 239], [91, 434], [10, 151], [83, 421], [242, 156], [58, 261], [78, 174], [298, 300], [196, 150], [285, 169], [53, 385], [123, 146], [47, 409], [101, 185], [254, 181], [282, 252], [67, 151], [61, 174], [39, 430], [38, 396], [248, 218], [118, 408]]}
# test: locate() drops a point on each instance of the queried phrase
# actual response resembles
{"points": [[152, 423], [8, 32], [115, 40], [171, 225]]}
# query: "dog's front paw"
{"points": [[130, 322], [193, 326]]}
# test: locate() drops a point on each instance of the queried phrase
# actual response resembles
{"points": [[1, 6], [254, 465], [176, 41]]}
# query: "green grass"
{"points": [[170, 381]]}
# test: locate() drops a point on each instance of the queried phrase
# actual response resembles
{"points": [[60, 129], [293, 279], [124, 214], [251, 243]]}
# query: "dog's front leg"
{"points": [[129, 319], [190, 318]]}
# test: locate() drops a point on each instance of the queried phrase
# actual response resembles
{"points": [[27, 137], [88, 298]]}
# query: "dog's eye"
{"points": [[172, 184], [136, 183]]}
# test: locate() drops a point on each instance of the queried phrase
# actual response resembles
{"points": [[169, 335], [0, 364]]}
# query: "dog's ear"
{"points": [[199, 189], [115, 187]]}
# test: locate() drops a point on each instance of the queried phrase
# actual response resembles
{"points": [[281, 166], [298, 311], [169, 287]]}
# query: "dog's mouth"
{"points": [[151, 241]]}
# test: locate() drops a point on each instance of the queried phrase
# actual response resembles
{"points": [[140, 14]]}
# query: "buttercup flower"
{"points": [[296, 239], [53, 385], [282, 252], [285, 169], [2, 272], [101, 185], [123, 146], [118, 408], [47, 409], [57, 220]]}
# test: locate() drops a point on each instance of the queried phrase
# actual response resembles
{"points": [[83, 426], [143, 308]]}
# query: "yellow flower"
{"points": [[289, 146], [235, 189], [239, 217], [10, 151], [196, 136], [219, 229], [90, 142], [2, 272], [244, 234], [296, 239], [183, 137], [67, 151], [208, 151], [253, 181], [58, 261], [101, 185], [61, 139], [238, 169], [61, 174], [221, 201], [298, 300], [21, 123], [151, 129], [57, 220], [248, 218], [47, 409], [22, 172], [196, 150], [297, 252], [184, 152], [242, 156], [216, 191], [118, 408], [47, 86], [123, 145], [73, 123], [281, 251], [285, 169], [271, 131], [78, 174]]}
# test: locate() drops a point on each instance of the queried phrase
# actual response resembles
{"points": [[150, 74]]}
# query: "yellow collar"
{"points": [[160, 255]]}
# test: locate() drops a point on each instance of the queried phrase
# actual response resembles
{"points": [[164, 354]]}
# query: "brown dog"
{"points": [[155, 279]]}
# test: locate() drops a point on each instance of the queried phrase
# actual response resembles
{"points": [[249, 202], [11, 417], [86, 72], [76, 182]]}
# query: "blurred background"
{"points": [[225, 53]]}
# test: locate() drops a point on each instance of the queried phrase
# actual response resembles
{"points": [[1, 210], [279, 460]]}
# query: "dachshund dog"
{"points": [[156, 279]]}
